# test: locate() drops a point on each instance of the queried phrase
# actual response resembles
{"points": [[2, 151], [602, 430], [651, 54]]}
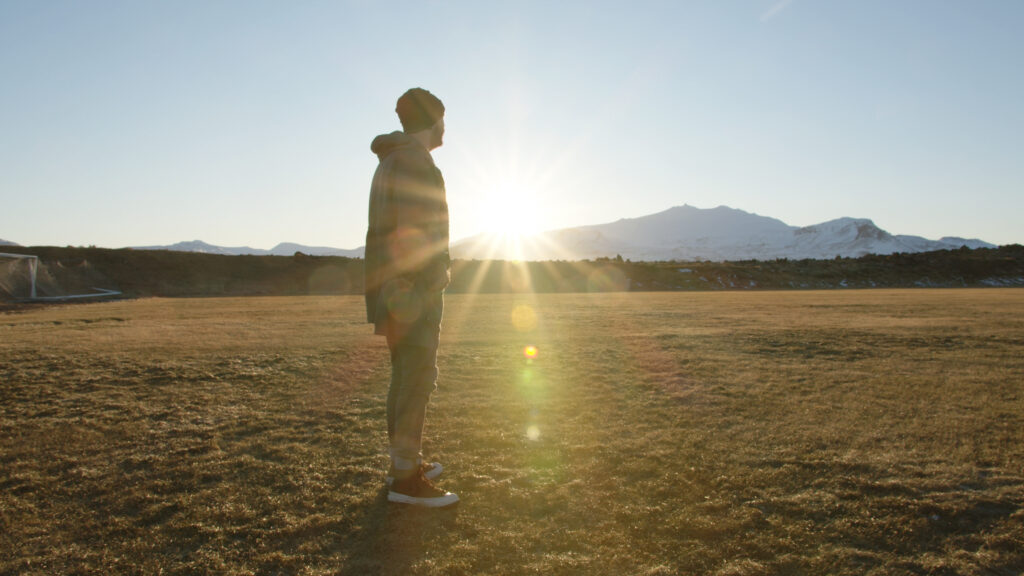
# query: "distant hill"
{"points": [[7, 243], [682, 233], [686, 233], [283, 249], [288, 249]]}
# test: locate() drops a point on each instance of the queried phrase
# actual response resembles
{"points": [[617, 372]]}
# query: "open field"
{"points": [[841, 432]]}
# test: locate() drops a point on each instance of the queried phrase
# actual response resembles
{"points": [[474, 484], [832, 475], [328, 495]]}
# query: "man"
{"points": [[407, 270]]}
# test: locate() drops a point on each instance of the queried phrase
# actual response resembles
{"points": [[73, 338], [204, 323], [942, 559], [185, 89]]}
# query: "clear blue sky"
{"points": [[248, 123]]}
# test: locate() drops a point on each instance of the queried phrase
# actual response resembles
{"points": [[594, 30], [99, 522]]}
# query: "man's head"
{"points": [[420, 110]]}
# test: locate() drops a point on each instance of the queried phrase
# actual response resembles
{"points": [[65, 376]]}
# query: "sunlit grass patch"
{"points": [[729, 433]]}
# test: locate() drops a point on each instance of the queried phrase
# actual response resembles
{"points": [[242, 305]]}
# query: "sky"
{"points": [[248, 123]]}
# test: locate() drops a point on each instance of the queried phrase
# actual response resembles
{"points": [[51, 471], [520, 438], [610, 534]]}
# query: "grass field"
{"points": [[844, 432]]}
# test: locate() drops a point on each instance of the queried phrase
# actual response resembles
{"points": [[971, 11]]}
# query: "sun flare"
{"points": [[511, 206], [512, 210]]}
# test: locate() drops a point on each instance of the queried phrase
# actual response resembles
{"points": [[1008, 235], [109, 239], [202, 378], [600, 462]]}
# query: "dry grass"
{"points": [[855, 432]]}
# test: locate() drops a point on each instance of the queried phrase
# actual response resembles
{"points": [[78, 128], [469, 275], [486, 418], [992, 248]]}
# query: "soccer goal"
{"points": [[22, 278], [18, 276]]}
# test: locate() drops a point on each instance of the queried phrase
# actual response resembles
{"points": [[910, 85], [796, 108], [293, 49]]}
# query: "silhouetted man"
{"points": [[407, 270]]}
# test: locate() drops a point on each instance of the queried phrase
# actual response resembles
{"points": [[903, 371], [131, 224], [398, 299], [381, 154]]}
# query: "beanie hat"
{"points": [[418, 110]]}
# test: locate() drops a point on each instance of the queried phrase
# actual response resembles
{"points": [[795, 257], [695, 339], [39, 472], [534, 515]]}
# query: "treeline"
{"points": [[139, 273], [1002, 266]]}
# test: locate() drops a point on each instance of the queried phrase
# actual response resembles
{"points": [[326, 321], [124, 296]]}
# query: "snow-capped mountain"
{"points": [[679, 233], [718, 234], [283, 249]]}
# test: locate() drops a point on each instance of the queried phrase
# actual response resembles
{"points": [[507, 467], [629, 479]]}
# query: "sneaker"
{"points": [[430, 470], [418, 491]]}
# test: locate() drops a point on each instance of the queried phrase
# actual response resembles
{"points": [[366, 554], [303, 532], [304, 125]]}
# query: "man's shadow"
{"points": [[391, 538]]}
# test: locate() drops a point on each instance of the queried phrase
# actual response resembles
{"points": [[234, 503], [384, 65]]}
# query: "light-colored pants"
{"points": [[413, 379], [413, 349]]}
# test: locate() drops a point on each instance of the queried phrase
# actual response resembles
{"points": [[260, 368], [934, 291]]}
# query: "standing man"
{"points": [[407, 270]]}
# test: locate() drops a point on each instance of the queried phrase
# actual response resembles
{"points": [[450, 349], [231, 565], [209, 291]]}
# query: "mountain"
{"points": [[7, 243], [283, 249], [288, 249], [682, 233], [203, 248], [687, 233]]}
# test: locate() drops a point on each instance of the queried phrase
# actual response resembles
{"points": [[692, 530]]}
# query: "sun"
{"points": [[511, 220], [508, 204], [512, 211]]}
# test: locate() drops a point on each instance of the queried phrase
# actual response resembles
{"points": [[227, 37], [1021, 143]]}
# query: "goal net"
{"points": [[18, 276], [24, 278]]}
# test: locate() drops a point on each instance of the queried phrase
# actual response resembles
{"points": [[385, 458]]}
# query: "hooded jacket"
{"points": [[407, 237]]}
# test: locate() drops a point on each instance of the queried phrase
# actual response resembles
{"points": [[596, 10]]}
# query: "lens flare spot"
{"points": [[403, 303], [533, 433], [524, 318], [527, 376], [530, 352]]}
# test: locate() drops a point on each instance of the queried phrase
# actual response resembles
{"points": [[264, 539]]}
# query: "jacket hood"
{"points": [[387, 143]]}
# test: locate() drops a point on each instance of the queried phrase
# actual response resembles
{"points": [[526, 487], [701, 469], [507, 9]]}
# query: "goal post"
{"points": [[10, 275]]}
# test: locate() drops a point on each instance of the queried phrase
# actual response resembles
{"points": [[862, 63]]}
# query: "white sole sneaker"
{"points": [[435, 502], [433, 470]]}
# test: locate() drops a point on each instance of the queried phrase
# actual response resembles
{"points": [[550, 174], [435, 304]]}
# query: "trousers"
{"points": [[413, 379]]}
